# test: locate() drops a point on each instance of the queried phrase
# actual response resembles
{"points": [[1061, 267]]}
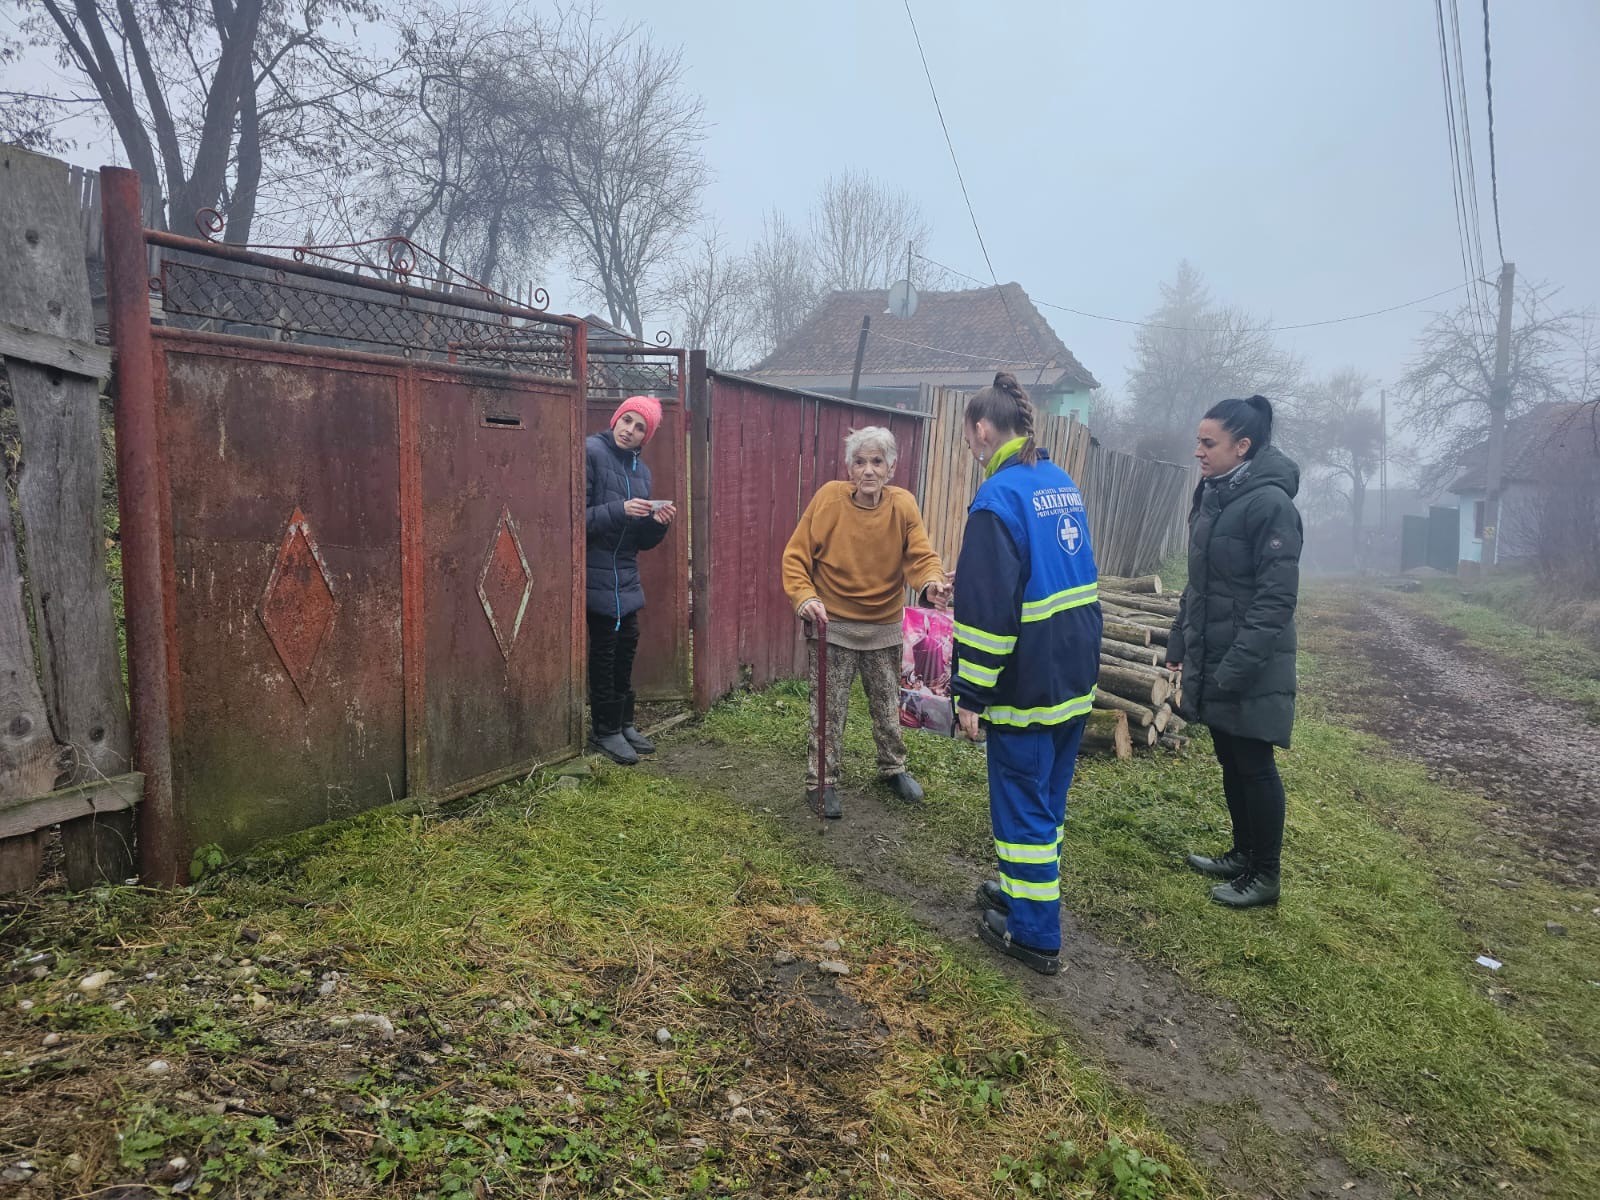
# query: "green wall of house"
{"points": [[1062, 404]]}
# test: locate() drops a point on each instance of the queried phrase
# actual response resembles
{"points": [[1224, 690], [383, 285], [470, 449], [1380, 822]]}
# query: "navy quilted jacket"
{"points": [[613, 477]]}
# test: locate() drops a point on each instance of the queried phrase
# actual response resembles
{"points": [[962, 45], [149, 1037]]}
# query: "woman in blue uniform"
{"points": [[1027, 642]]}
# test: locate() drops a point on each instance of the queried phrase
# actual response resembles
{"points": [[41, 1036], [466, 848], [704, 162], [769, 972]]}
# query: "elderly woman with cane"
{"points": [[858, 546]]}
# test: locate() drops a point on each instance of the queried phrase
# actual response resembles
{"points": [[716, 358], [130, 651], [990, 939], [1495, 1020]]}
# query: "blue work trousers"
{"points": [[1030, 771]]}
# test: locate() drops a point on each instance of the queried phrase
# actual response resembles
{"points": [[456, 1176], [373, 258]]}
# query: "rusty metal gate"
{"points": [[353, 533]]}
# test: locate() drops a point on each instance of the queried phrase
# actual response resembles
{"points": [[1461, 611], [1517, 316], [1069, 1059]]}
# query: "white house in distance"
{"points": [[1537, 443], [954, 339]]}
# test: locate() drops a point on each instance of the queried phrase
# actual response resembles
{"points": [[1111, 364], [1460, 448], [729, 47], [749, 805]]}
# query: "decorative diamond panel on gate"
{"points": [[297, 607], [505, 584]]}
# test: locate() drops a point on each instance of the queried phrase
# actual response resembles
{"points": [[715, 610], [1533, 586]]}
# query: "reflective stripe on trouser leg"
{"points": [[1027, 815]]}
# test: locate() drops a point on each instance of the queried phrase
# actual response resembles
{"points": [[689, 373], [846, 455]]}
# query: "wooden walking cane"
{"points": [[822, 726]]}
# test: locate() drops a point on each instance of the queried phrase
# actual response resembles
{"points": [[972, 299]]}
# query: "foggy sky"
{"points": [[1296, 153]]}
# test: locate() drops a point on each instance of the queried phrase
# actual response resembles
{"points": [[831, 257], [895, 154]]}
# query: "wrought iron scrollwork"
{"points": [[395, 257]]}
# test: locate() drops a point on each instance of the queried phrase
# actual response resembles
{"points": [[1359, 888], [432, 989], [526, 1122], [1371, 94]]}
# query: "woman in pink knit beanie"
{"points": [[621, 519]]}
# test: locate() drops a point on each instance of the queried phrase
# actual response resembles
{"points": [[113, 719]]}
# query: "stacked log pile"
{"points": [[1136, 702]]}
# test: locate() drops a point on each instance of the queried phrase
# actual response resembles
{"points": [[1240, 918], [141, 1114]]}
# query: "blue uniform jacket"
{"points": [[1027, 611]]}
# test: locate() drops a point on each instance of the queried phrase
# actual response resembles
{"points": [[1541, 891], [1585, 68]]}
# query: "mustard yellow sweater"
{"points": [[856, 560]]}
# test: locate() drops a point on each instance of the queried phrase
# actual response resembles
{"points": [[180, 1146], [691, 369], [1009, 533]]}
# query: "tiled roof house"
{"points": [[954, 339]]}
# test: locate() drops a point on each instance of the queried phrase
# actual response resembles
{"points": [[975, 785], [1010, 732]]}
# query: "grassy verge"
{"points": [[608, 989], [1464, 1078], [1495, 617]]}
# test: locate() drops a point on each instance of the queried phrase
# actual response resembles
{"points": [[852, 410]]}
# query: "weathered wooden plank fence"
{"points": [[65, 745], [1136, 506]]}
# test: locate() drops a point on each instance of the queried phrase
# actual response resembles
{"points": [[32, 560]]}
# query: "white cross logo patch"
{"points": [[1069, 534]]}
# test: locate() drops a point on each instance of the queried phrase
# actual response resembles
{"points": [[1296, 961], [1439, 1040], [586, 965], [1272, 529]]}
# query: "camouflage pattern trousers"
{"points": [[880, 679]]}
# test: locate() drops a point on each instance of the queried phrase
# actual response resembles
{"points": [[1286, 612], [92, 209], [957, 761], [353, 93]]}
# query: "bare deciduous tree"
{"points": [[467, 175], [1192, 353], [783, 280], [1337, 437], [711, 296], [1447, 386], [626, 160], [201, 95], [861, 230]]}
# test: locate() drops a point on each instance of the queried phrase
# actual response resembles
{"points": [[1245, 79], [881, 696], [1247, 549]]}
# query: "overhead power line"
{"points": [[960, 178], [1494, 178], [1458, 183], [1094, 316]]}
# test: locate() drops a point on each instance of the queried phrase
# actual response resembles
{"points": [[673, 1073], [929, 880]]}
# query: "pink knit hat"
{"points": [[647, 407]]}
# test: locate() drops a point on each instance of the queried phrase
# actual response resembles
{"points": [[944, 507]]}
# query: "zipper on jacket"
{"points": [[616, 551]]}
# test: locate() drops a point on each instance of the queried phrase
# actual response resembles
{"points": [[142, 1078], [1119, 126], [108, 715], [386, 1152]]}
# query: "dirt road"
{"points": [[1265, 1122], [1468, 715]]}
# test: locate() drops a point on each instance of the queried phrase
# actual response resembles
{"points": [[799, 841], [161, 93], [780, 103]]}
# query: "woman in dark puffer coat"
{"points": [[621, 520], [1234, 638]]}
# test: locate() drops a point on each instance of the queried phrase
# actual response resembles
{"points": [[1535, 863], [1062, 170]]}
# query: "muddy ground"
{"points": [[1386, 669], [1181, 1054], [1469, 716]]}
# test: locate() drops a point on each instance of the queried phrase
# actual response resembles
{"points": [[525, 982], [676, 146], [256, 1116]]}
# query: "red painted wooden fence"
{"points": [[759, 452]]}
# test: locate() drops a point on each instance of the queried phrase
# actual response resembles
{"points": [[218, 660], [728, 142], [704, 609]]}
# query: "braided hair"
{"points": [[1005, 405]]}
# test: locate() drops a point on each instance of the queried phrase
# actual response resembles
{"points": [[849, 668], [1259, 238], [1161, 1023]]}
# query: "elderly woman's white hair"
{"points": [[873, 437]]}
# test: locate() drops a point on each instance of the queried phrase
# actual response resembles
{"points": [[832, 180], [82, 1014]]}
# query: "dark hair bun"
{"points": [[1005, 381], [1263, 406]]}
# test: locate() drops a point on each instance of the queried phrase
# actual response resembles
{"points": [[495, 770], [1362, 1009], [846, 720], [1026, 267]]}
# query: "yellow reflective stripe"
{"points": [[1055, 714], [1023, 889], [994, 643], [1038, 610], [1021, 852], [982, 676]]}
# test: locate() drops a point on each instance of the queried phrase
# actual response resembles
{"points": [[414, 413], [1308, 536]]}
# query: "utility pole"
{"points": [[1499, 401], [861, 352], [1383, 460]]}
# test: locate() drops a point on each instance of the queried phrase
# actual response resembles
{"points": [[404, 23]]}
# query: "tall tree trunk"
{"points": [[247, 185], [233, 76]]}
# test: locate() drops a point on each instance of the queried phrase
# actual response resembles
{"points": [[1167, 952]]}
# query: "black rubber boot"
{"points": [[1253, 889], [907, 789], [992, 931], [824, 802], [1227, 866], [992, 897], [606, 734], [630, 731]]}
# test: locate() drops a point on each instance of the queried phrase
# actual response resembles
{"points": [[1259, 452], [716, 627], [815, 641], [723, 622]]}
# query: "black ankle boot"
{"points": [[905, 787], [1228, 866], [1253, 889], [630, 731], [992, 931], [824, 802], [992, 896], [606, 734]]}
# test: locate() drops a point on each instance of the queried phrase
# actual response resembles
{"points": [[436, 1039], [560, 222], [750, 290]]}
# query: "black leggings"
{"points": [[612, 645], [1254, 789]]}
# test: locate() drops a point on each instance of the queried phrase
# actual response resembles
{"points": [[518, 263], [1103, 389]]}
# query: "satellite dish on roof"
{"points": [[903, 300]]}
